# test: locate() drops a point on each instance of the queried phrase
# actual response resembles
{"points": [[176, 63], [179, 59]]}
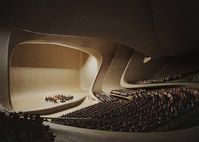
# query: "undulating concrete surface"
{"points": [[159, 29], [118, 64], [47, 56], [4, 68], [72, 134], [88, 19], [136, 69], [88, 73], [31, 82]]}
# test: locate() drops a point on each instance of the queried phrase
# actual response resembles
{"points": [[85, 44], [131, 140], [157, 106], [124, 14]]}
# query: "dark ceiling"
{"points": [[154, 27]]}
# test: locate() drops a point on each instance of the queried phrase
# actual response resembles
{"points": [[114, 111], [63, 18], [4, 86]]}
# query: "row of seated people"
{"points": [[103, 97], [195, 77], [162, 79], [125, 92], [58, 98], [94, 110], [133, 92], [19, 127], [147, 111]]}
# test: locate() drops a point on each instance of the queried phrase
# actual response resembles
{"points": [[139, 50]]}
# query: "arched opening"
{"points": [[41, 70]]}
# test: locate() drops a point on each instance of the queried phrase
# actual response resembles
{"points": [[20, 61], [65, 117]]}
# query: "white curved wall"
{"points": [[27, 80], [119, 62], [32, 80], [88, 73]]}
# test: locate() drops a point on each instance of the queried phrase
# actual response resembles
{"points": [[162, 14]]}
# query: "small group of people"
{"points": [[58, 98]]}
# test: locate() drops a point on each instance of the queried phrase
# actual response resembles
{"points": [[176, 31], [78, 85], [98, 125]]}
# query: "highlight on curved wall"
{"points": [[39, 70]]}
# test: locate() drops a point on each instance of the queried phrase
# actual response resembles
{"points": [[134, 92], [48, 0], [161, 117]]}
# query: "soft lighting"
{"points": [[146, 59]]}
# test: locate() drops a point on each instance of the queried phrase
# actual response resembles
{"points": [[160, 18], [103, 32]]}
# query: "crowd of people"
{"points": [[19, 127], [161, 80], [125, 92], [58, 98], [148, 110], [103, 97], [195, 78]]}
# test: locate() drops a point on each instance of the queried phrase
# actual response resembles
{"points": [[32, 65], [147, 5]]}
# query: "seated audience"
{"points": [[148, 110], [162, 79], [103, 97]]}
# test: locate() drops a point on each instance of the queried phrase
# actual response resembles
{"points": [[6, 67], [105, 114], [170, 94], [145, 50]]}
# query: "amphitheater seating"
{"points": [[148, 110], [125, 92], [103, 97], [162, 79], [195, 78]]}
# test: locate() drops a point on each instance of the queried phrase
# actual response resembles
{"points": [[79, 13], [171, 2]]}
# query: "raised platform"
{"points": [[35, 102]]}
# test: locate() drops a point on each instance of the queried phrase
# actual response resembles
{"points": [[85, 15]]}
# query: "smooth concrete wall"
{"points": [[127, 22], [119, 62], [9, 37], [25, 80], [49, 68], [102, 50], [184, 63], [137, 70], [47, 56], [4, 67], [87, 73], [107, 53], [153, 27]]}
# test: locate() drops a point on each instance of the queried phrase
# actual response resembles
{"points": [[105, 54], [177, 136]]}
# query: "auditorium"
{"points": [[99, 70]]}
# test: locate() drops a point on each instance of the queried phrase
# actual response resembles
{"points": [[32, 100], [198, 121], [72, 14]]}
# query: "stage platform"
{"points": [[35, 101]]}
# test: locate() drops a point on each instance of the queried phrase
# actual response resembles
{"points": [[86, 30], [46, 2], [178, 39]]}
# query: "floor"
{"points": [[36, 100], [72, 134]]}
